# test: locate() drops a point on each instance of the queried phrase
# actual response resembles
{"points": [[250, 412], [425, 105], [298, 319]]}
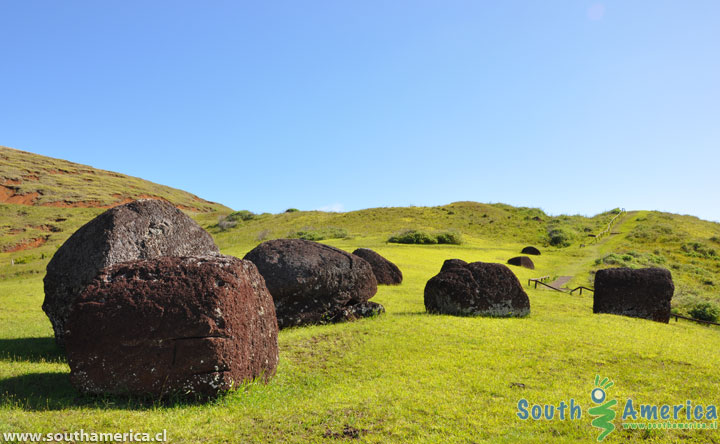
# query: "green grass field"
{"points": [[404, 376]]}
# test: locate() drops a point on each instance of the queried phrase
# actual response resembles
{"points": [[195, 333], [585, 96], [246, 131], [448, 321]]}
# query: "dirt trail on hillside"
{"points": [[560, 281]]}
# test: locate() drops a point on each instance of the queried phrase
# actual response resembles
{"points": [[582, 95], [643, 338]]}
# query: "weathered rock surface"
{"points": [[312, 282], [190, 325], [144, 229], [453, 263], [522, 261], [477, 288], [386, 273], [643, 293], [531, 250]]}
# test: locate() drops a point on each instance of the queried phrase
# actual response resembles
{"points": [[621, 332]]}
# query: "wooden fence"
{"points": [[610, 224], [541, 281]]}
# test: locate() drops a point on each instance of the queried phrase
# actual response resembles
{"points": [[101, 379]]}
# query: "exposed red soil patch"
{"points": [[31, 177], [26, 244], [53, 171], [9, 195], [12, 182], [16, 231]]}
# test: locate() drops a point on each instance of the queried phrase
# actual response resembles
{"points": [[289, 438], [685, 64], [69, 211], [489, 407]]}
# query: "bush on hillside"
{"points": [[449, 237], [705, 311], [292, 210], [424, 238], [225, 224], [560, 237], [696, 249], [241, 215], [313, 234], [413, 237], [231, 220]]}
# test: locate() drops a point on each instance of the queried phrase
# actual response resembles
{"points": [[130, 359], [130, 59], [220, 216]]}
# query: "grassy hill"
{"points": [[44, 200], [689, 247], [405, 376]]}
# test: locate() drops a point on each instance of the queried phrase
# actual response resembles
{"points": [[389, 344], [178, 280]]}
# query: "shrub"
{"points": [[705, 311], [23, 260], [312, 234], [292, 210], [413, 237], [449, 237], [241, 215], [424, 238], [225, 224], [559, 237], [696, 249]]}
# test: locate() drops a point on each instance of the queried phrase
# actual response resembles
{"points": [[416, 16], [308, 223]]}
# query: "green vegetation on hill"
{"points": [[47, 181], [487, 221], [405, 376], [682, 244]]}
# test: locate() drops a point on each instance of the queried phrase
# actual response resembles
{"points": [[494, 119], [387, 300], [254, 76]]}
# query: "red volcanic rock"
{"points": [[144, 229], [477, 288], [643, 293], [386, 273], [522, 261], [189, 326], [531, 250], [453, 263], [311, 282]]}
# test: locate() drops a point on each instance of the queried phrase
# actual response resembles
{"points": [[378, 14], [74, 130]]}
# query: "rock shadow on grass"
{"points": [[50, 391], [31, 350]]}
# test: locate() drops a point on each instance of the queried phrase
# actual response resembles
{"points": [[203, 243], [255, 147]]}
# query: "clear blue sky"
{"points": [[572, 106]]}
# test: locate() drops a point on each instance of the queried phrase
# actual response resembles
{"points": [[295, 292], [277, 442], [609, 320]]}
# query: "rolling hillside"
{"points": [[44, 200], [404, 376], [689, 247]]}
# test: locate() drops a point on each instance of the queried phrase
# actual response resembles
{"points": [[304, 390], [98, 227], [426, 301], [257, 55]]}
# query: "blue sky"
{"points": [[571, 106]]}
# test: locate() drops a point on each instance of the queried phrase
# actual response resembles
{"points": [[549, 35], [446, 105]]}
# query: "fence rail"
{"points": [[540, 280], [581, 288], [700, 321], [610, 224]]}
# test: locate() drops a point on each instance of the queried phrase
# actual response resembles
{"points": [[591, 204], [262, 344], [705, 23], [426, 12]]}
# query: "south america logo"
{"points": [[604, 412]]}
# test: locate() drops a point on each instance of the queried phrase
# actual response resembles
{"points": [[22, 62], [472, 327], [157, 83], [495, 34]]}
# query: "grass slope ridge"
{"points": [[32, 179], [686, 245], [44, 200]]}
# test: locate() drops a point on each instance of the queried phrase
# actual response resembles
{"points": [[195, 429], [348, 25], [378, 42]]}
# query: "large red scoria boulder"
{"points": [[191, 325], [313, 283], [144, 229], [639, 293], [386, 273], [477, 288], [522, 261], [453, 263], [530, 250]]}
